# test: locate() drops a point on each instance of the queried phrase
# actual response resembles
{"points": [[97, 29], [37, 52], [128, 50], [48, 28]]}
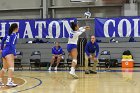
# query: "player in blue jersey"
{"points": [[8, 54], [92, 51], [72, 45], [56, 55]]}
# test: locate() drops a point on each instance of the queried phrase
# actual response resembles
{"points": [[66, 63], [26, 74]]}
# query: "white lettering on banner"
{"points": [[67, 26], [28, 31], [106, 24], [38, 28], [136, 22], [40, 24], [50, 29], [120, 28], [2, 31]]}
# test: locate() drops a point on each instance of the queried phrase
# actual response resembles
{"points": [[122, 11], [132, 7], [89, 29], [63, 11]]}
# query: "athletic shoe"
{"points": [[92, 72], [11, 84], [87, 72], [1, 84], [73, 74], [55, 68], [49, 69]]}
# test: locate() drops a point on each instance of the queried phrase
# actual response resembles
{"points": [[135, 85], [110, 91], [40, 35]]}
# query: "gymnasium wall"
{"points": [[116, 50], [26, 9], [37, 9], [77, 9], [20, 9]]}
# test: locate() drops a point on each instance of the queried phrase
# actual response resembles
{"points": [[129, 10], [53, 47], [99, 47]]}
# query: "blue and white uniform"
{"points": [[10, 47], [56, 51], [73, 38]]}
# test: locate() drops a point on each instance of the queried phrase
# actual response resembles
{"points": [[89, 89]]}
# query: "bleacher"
{"points": [[44, 48], [116, 49]]}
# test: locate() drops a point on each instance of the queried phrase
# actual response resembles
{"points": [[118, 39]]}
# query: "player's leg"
{"points": [[3, 70], [10, 62], [74, 56], [52, 62], [58, 61], [74, 62], [86, 64]]}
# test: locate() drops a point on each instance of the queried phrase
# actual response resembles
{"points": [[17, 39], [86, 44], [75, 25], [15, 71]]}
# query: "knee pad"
{"points": [[11, 68], [75, 61], [5, 70]]}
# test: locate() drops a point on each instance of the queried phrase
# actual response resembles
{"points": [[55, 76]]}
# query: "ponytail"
{"points": [[12, 28], [73, 26]]}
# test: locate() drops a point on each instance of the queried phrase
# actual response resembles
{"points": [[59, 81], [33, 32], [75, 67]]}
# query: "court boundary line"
{"points": [[40, 81], [19, 85], [32, 87]]}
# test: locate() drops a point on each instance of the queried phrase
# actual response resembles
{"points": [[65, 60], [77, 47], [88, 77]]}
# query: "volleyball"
{"points": [[87, 14]]}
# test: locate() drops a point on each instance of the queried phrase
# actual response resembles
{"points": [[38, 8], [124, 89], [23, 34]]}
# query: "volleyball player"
{"points": [[57, 52], [72, 45], [8, 55]]}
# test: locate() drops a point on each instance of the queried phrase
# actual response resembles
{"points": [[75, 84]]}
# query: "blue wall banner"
{"points": [[46, 28], [117, 27]]}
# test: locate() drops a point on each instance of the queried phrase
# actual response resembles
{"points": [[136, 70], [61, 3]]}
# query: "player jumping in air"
{"points": [[72, 45]]}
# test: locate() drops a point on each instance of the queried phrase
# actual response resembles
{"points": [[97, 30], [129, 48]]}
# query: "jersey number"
{"points": [[71, 35], [8, 39]]}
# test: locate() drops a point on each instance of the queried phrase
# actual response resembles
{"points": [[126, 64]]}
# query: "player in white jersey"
{"points": [[72, 45]]}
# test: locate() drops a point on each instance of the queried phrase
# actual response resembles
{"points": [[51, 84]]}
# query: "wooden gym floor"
{"points": [[115, 81]]}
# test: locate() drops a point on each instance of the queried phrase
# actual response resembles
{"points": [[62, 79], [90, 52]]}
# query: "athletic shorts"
{"points": [[7, 51], [70, 47]]}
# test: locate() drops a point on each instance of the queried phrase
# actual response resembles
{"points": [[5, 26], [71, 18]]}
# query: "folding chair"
{"points": [[17, 62], [35, 60], [104, 59]]}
